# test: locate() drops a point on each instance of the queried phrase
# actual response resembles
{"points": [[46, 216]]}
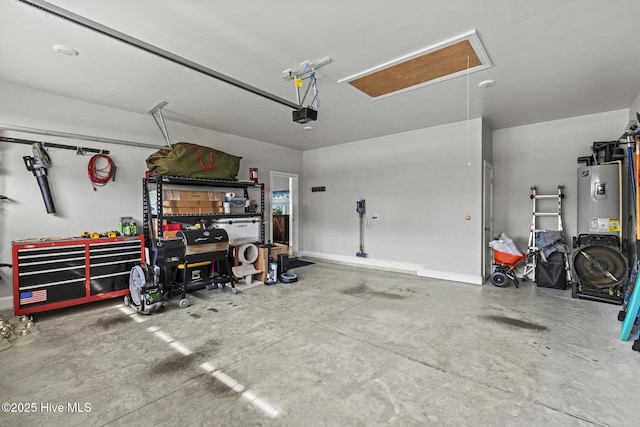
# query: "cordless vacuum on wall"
{"points": [[361, 214]]}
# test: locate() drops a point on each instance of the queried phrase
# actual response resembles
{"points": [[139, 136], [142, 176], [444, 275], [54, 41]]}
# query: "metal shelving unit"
{"points": [[158, 183]]}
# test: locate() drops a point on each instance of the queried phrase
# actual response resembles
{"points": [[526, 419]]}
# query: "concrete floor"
{"points": [[342, 347]]}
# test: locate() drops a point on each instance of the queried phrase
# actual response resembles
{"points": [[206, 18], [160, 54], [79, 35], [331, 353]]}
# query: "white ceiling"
{"points": [[551, 60]]}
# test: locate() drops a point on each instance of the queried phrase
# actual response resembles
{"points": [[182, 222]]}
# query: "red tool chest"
{"points": [[50, 274]]}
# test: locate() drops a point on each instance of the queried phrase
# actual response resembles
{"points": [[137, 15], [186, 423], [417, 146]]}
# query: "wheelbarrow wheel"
{"points": [[499, 279]]}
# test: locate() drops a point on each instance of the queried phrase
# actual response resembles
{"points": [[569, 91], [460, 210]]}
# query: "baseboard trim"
{"points": [[455, 277], [6, 302], [400, 267]]}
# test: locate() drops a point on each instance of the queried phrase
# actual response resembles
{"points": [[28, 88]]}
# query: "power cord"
{"points": [[100, 176]]}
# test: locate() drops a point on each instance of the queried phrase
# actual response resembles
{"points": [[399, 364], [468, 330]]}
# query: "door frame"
{"points": [[487, 218], [294, 202]]}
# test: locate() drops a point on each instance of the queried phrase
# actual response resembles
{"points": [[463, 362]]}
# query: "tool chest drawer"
{"points": [[110, 264], [50, 274]]}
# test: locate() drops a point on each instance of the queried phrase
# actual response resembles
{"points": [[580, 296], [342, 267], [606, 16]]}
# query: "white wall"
{"points": [[280, 183], [422, 184], [635, 108], [79, 207], [544, 155]]}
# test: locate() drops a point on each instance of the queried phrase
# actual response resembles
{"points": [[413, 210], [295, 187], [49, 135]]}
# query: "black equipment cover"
{"points": [[551, 273]]}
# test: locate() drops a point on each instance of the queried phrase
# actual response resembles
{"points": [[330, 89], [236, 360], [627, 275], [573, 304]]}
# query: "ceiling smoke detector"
{"points": [[487, 83], [65, 50]]}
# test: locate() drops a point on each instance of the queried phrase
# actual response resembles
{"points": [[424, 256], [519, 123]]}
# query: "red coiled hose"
{"points": [[100, 177]]}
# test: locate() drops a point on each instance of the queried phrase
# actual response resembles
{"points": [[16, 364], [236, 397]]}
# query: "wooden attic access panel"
{"points": [[419, 70]]}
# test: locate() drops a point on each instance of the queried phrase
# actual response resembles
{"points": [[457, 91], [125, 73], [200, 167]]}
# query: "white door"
{"points": [[487, 201]]}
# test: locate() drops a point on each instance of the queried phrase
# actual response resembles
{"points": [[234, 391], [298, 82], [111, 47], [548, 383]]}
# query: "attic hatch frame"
{"points": [[132, 41], [471, 37]]}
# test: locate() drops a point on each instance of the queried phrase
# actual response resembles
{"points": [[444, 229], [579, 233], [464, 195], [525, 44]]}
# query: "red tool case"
{"points": [[51, 274]]}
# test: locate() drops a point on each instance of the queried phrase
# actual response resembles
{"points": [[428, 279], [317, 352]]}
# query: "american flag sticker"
{"points": [[30, 297]]}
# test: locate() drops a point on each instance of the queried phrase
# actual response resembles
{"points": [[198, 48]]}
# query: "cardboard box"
{"points": [[182, 211], [180, 195], [191, 204], [262, 263], [279, 249], [193, 195], [166, 194], [217, 196], [166, 227], [189, 199], [175, 204], [212, 210]]}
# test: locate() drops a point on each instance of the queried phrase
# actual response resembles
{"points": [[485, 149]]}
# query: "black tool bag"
{"points": [[551, 273]]}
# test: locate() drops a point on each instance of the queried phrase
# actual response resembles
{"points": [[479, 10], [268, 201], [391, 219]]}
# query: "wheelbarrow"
{"points": [[506, 265]]}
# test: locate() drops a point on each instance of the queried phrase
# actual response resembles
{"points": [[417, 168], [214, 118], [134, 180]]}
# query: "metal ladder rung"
{"points": [[546, 213]]}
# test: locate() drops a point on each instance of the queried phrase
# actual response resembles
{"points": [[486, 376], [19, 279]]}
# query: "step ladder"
{"points": [[532, 249]]}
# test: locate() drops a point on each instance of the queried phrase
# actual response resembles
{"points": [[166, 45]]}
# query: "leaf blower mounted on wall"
{"points": [[38, 164]]}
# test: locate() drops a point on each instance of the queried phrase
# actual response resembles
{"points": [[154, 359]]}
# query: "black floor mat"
{"points": [[299, 263]]}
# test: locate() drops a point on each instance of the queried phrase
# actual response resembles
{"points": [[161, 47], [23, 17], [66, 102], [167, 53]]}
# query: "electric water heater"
{"points": [[599, 191]]}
